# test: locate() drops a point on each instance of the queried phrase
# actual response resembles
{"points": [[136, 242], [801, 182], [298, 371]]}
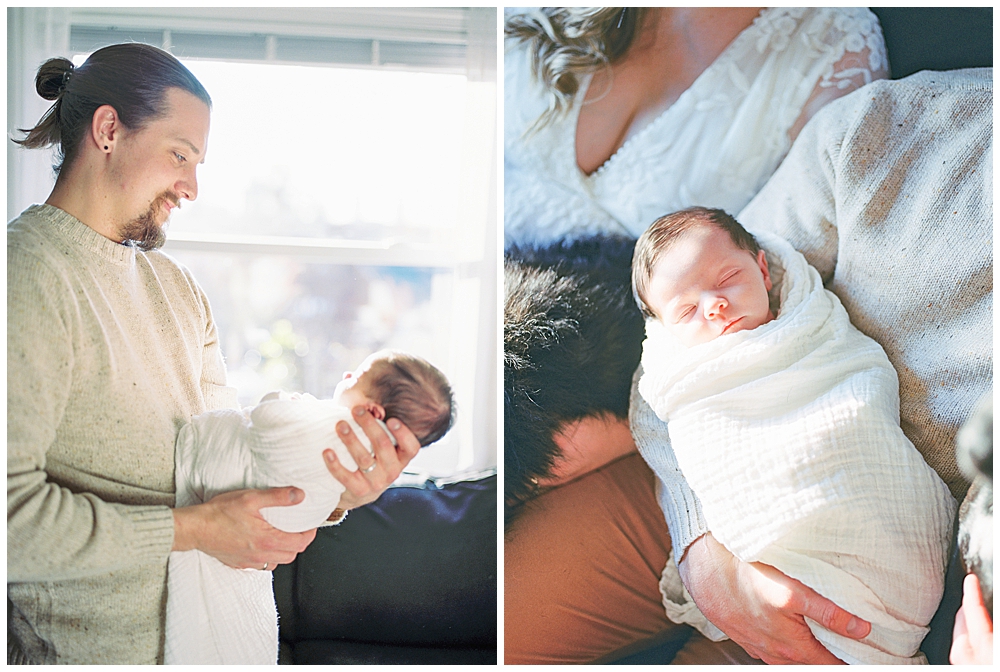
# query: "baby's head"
{"points": [[393, 384], [702, 275]]}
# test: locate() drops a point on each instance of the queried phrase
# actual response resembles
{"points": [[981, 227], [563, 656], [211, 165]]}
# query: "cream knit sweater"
{"points": [[109, 351]]}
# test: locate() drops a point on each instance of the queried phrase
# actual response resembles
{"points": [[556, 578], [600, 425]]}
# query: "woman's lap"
{"points": [[582, 566]]}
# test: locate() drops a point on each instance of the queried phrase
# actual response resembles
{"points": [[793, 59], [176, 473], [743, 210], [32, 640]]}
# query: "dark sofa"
{"points": [[408, 579]]}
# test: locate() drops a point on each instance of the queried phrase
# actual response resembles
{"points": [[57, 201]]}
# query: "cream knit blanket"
{"points": [[789, 435], [217, 614]]}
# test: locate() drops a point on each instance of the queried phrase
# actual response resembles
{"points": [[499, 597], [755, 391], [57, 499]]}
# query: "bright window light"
{"points": [[330, 152]]}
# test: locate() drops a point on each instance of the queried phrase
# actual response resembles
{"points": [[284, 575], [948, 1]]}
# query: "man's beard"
{"points": [[144, 232]]}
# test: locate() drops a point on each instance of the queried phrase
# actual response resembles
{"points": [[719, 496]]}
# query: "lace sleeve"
{"points": [[858, 58]]}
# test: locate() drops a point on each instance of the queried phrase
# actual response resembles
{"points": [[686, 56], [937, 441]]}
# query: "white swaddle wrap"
{"points": [[789, 435], [217, 614]]}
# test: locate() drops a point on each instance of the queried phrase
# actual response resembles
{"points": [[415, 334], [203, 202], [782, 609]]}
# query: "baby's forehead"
{"points": [[699, 235], [694, 254]]}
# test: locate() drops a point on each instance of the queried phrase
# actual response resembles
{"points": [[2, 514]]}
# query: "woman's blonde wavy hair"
{"points": [[567, 42]]}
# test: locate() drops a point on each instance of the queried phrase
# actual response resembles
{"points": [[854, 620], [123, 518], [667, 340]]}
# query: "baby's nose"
{"points": [[715, 307]]}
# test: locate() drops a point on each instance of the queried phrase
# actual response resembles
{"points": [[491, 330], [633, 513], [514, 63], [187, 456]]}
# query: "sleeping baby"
{"points": [[784, 420], [217, 614]]}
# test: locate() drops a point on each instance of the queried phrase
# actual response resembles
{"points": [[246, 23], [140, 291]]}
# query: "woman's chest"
{"points": [[676, 47]]}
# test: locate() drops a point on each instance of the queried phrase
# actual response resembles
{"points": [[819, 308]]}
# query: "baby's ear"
{"points": [[377, 411], [762, 262]]}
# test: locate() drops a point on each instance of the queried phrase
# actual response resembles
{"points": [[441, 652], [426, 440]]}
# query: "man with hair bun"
{"points": [[111, 347]]}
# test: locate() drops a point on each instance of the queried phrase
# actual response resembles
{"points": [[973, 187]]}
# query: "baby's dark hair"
{"points": [[662, 233], [416, 393]]}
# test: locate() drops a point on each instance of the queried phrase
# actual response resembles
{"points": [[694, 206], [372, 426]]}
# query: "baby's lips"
{"points": [[727, 327]]}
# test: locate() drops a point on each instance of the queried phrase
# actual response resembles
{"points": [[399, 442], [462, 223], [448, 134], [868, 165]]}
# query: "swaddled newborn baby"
{"points": [[220, 615], [784, 420]]}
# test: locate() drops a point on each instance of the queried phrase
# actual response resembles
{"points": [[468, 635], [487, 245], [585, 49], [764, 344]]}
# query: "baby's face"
{"points": [[703, 287], [353, 389]]}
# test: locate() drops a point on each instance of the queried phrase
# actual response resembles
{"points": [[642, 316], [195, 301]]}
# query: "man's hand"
{"points": [[229, 527], [972, 643], [373, 477], [760, 608]]}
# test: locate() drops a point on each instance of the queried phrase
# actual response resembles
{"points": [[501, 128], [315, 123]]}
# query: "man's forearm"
{"points": [[56, 535]]}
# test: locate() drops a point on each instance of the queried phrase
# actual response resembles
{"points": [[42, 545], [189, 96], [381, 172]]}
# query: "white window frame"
{"points": [[436, 35]]}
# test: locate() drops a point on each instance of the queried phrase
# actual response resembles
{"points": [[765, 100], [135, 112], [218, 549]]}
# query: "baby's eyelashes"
{"points": [[683, 313], [729, 276]]}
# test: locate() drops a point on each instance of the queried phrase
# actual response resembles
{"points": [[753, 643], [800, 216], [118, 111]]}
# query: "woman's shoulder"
{"points": [[777, 27], [824, 33]]}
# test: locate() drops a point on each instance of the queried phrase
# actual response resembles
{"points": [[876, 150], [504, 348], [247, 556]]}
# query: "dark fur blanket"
{"points": [[572, 339]]}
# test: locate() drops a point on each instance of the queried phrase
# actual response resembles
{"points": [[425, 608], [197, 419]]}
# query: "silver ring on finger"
{"points": [[370, 468], [265, 567]]}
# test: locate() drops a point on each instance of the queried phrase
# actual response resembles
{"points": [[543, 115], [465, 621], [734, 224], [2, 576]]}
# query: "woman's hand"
{"points": [[972, 643], [229, 527], [760, 608], [373, 476]]}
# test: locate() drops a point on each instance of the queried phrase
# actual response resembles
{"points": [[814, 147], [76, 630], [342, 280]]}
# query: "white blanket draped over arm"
{"points": [[217, 614], [789, 435]]}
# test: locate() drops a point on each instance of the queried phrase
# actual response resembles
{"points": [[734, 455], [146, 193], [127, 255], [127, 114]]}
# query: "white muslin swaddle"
{"points": [[217, 614], [789, 435]]}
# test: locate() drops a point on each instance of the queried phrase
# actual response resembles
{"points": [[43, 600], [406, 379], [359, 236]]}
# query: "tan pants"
{"points": [[582, 567]]}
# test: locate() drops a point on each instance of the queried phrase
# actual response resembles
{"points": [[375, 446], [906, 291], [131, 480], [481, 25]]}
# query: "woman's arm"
{"points": [[855, 39], [850, 73]]}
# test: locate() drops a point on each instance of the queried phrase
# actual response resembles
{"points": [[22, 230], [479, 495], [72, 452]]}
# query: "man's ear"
{"points": [[105, 128], [762, 263]]}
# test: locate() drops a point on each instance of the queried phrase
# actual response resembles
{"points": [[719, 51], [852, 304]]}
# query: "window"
{"points": [[348, 199]]}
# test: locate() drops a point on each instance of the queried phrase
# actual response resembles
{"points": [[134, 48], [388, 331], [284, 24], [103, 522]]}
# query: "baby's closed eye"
{"points": [[729, 276]]}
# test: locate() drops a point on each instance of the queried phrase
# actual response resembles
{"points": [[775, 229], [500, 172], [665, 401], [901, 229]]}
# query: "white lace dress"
{"points": [[715, 146]]}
